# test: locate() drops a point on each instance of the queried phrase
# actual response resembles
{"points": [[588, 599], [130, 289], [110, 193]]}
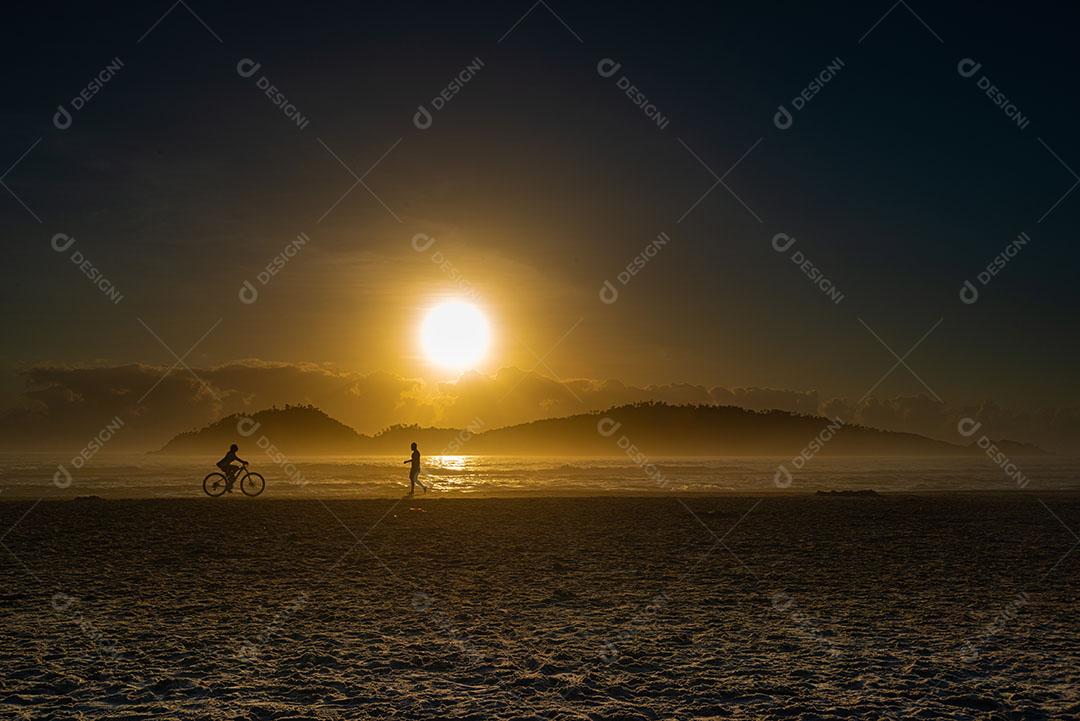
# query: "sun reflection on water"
{"points": [[452, 472]]}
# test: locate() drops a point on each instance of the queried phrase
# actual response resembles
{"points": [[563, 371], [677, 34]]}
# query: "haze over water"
{"points": [[30, 476]]}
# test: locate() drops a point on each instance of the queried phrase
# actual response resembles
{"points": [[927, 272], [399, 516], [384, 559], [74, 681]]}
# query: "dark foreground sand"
{"points": [[601, 608]]}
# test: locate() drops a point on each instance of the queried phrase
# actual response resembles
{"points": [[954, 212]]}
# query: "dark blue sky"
{"points": [[899, 180]]}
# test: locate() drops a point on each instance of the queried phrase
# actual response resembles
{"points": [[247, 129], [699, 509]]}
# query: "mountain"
{"points": [[651, 429], [305, 430]]}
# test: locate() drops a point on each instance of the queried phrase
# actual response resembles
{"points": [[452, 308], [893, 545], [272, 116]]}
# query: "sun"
{"points": [[455, 335]]}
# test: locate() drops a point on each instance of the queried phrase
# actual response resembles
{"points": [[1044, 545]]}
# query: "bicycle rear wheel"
{"points": [[252, 484], [214, 484]]}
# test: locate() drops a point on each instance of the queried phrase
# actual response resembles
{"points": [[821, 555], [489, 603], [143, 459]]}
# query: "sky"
{"points": [[538, 181]]}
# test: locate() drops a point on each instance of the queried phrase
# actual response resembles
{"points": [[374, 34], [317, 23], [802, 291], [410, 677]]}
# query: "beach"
{"points": [[947, 605]]}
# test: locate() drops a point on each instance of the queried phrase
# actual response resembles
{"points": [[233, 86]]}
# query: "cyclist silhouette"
{"points": [[229, 468]]}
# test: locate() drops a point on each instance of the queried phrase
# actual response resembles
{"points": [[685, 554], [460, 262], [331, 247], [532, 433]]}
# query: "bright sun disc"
{"points": [[455, 335]]}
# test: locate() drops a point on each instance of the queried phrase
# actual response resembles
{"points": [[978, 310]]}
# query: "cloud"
{"points": [[61, 408]]}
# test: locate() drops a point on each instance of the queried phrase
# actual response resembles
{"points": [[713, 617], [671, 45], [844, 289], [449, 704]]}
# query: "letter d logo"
{"points": [[607, 427], [782, 241], [968, 292], [607, 67], [782, 119], [782, 479], [608, 293], [247, 67], [246, 426], [422, 118], [61, 242], [62, 477], [62, 118], [967, 67], [248, 293], [781, 601], [421, 238], [61, 602], [967, 427]]}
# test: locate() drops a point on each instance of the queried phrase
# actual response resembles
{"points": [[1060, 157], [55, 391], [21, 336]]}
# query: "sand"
{"points": [[947, 606]]}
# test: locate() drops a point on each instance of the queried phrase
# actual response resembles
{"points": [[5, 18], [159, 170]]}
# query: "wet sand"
{"points": [[797, 607]]}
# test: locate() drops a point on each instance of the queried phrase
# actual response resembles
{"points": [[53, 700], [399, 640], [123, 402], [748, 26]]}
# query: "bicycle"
{"points": [[252, 484]]}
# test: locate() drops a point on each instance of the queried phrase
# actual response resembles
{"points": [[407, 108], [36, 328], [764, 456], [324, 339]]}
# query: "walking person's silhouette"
{"points": [[414, 472]]}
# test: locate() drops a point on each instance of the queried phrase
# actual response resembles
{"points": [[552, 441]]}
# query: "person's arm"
{"points": [[241, 460]]}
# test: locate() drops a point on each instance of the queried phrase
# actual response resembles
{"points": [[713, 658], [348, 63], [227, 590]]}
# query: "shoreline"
{"points": [[590, 495]]}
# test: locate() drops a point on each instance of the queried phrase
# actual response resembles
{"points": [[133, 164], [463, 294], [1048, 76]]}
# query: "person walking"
{"points": [[414, 471]]}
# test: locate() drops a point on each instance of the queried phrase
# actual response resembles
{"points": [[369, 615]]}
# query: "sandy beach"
{"points": [[957, 606]]}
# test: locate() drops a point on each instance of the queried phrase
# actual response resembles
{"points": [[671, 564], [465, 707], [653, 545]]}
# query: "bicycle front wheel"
{"points": [[252, 484], [214, 484]]}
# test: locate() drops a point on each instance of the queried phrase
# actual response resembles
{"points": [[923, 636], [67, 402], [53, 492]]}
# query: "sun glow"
{"points": [[455, 335]]}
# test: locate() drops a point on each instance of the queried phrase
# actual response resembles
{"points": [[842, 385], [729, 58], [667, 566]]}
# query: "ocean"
{"points": [[31, 476]]}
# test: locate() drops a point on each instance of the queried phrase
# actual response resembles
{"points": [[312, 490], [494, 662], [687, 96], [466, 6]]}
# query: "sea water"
{"points": [[32, 476]]}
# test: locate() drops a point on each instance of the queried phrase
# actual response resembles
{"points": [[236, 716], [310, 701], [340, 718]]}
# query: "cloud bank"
{"points": [[62, 407]]}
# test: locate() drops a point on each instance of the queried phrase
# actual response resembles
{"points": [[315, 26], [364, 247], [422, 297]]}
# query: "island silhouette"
{"points": [[656, 429]]}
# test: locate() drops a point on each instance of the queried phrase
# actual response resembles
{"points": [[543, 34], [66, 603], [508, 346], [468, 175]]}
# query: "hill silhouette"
{"points": [[305, 429], [655, 429]]}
